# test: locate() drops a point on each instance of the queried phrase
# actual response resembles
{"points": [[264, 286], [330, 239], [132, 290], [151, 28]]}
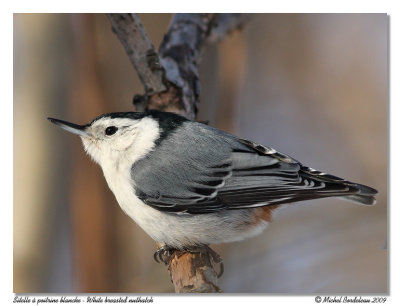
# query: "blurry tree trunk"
{"points": [[91, 212], [177, 61], [230, 79]]}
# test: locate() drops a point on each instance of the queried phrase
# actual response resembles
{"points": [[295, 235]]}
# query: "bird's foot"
{"points": [[163, 254]]}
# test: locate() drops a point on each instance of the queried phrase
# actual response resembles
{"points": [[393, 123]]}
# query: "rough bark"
{"points": [[193, 273], [176, 75], [179, 55]]}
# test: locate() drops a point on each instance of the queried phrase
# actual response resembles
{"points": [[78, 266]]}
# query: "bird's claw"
{"points": [[163, 254]]}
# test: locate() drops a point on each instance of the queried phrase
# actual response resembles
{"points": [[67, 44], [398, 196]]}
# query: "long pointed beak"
{"points": [[70, 127]]}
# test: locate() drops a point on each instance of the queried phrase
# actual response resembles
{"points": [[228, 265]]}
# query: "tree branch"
{"points": [[140, 50], [179, 55], [193, 273], [172, 84]]}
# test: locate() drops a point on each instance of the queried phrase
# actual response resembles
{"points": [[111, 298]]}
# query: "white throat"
{"points": [[120, 162], [116, 164]]}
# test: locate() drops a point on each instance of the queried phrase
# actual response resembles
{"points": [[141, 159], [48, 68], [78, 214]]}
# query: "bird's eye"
{"points": [[111, 130]]}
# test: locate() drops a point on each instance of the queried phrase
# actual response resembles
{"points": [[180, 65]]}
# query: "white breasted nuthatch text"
{"points": [[187, 184]]}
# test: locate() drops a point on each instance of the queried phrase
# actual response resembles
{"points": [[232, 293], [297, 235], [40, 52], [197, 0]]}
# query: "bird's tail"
{"points": [[365, 196], [349, 191]]}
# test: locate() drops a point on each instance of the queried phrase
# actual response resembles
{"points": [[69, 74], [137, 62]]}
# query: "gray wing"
{"points": [[204, 170], [187, 168]]}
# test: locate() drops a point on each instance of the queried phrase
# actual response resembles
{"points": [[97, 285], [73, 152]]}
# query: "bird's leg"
{"points": [[163, 253]]}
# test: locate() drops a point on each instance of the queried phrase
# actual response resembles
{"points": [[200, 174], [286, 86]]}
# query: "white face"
{"points": [[118, 141]]}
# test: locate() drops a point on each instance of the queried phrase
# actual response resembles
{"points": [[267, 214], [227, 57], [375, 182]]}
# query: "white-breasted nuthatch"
{"points": [[187, 184]]}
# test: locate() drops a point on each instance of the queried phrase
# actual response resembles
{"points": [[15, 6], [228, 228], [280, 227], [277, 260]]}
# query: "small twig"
{"points": [[140, 50]]}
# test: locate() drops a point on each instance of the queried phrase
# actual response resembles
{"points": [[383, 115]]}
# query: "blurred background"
{"points": [[314, 86]]}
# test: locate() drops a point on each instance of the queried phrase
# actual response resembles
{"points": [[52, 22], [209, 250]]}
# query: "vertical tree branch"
{"points": [[174, 87], [179, 54]]}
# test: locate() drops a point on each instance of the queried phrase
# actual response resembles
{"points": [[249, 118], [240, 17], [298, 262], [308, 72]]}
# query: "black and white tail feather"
{"points": [[355, 192], [322, 184]]}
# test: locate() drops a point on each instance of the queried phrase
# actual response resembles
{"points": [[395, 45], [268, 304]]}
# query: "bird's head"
{"points": [[115, 137]]}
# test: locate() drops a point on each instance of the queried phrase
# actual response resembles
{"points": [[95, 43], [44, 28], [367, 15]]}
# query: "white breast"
{"points": [[181, 230]]}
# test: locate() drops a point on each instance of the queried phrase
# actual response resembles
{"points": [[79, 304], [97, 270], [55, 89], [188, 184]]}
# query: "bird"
{"points": [[189, 185]]}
